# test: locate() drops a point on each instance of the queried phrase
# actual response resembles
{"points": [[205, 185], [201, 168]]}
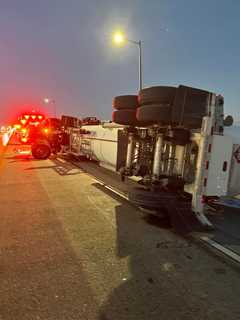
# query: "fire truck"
{"points": [[40, 132], [24, 122]]}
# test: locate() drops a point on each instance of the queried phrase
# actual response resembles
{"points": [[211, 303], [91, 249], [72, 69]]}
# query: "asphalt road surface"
{"points": [[72, 250]]}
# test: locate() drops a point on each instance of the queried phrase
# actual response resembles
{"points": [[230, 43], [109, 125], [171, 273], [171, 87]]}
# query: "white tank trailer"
{"points": [[189, 153]]}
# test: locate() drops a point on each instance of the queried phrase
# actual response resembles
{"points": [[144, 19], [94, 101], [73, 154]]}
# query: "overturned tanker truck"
{"points": [[173, 139]]}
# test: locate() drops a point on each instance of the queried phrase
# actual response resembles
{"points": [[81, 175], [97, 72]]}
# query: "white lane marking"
{"points": [[116, 192], [120, 194], [61, 160], [61, 168], [222, 249]]}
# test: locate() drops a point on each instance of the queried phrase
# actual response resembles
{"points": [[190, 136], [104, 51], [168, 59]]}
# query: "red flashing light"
{"points": [[17, 126], [24, 140], [27, 116], [33, 116], [24, 130], [23, 121], [40, 117]]}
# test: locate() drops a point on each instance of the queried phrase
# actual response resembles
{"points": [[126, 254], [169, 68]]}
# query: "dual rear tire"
{"points": [[152, 105], [128, 102], [177, 106], [125, 110], [125, 117], [154, 113]]}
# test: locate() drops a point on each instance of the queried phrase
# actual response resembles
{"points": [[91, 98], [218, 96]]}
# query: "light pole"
{"points": [[48, 101], [120, 39]]}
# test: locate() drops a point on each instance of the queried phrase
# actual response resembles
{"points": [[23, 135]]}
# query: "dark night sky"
{"points": [[62, 49]]}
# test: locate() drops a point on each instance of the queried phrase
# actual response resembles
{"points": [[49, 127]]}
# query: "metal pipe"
{"points": [[140, 65], [171, 160], [136, 152], [139, 44], [130, 150], [180, 159], [165, 158], [197, 204], [157, 157]]}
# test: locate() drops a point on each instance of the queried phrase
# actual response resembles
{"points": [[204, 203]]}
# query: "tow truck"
{"points": [[40, 132]]}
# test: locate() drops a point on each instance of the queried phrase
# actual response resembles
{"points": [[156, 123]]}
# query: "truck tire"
{"points": [[125, 102], [41, 150], [179, 136], [189, 107], [151, 114], [192, 121], [157, 95], [149, 199], [125, 117]]}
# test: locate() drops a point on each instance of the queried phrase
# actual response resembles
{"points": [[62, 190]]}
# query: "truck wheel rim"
{"points": [[42, 151]]}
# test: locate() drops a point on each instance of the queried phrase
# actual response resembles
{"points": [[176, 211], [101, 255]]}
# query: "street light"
{"points": [[120, 39], [48, 101]]}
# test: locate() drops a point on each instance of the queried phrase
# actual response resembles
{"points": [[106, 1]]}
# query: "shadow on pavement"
{"points": [[163, 223], [146, 294], [41, 167], [62, 168], [164, 281]]}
